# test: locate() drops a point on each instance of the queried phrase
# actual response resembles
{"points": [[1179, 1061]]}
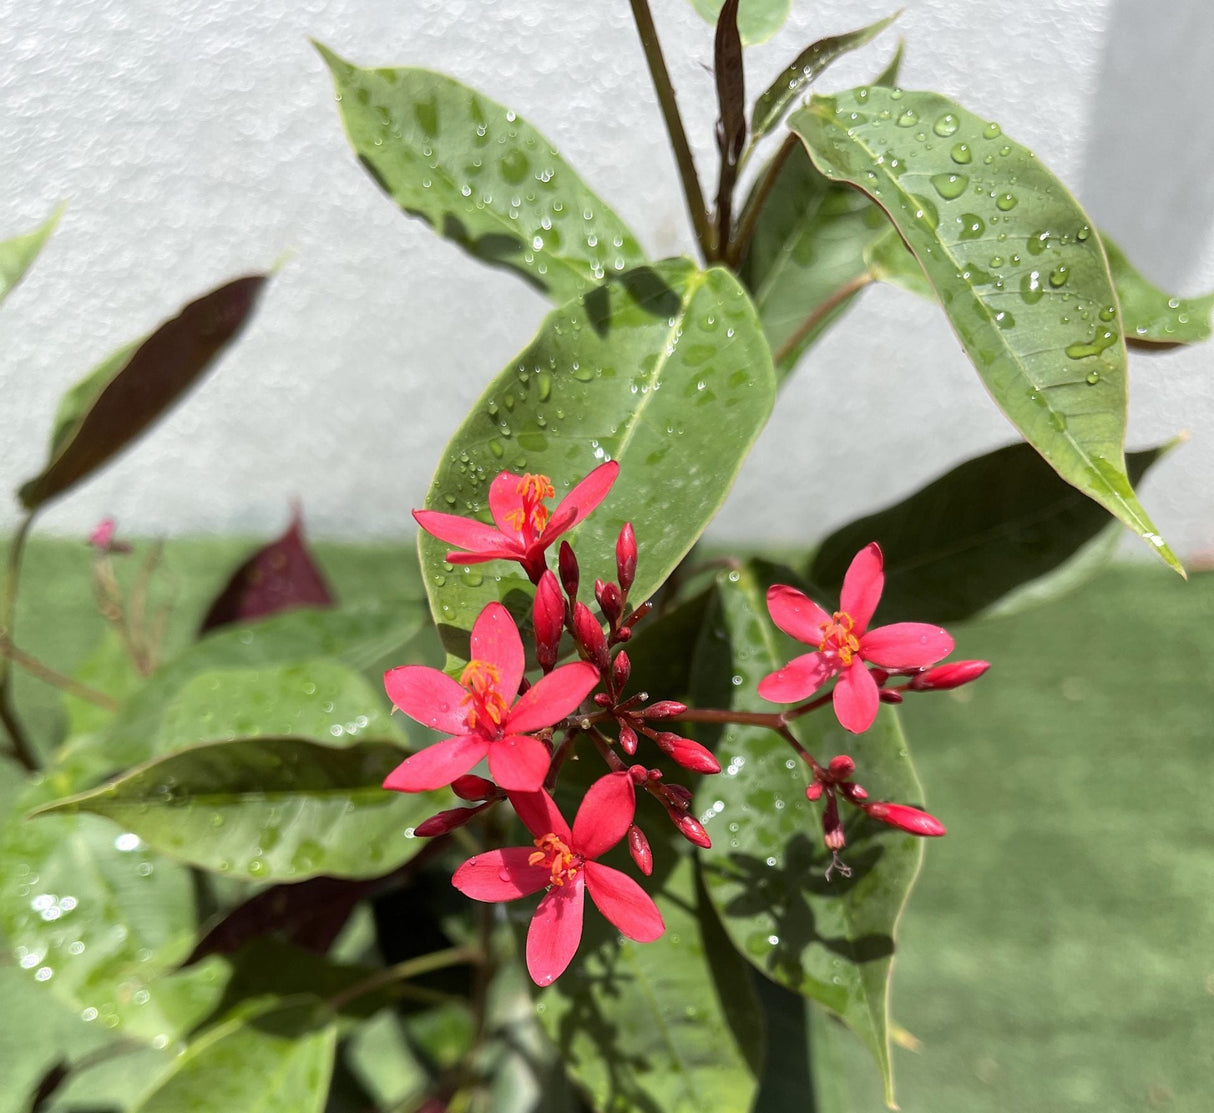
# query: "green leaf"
{"points": [[1151, 317], [277, 1058], [832, 941], [992, 535], [804, 70], [18, 253], [649, 1025], [1015, 264], [109, 408], [664, 370], [758, 20], [266, 808], [479, 175], [806, 261]]}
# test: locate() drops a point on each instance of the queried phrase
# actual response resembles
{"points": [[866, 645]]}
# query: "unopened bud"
{"points": [[590, 636], [628, 738], [626, 557], [621, 670], [951, 675], [548, 617], [472, 787], [664, 709], [679, 795], [854, 792], [889, 695], [832, 827], [610, 601], [688, 753], [905, 818], [444, 822], [638, 847], [813, 791], [842, 767], [566, 564], [638, 773], [692, 830]]}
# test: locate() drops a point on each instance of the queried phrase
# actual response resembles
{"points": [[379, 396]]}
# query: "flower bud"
{"points": [[638, 773], [832, 826], [842, 767], [951, 675], [854, 792], [610, 601], [628, 738], [626, 557], [688, 753], [889, 695], [472, 787], [664, 709], [548, 616], [621, 670], [813, 791], [566, 564], [692, 830], [638, 847], [590, 636], [679, 795], [444, 822], [905, 818]]}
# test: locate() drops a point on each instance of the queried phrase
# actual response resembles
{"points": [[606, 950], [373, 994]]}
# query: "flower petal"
{"points": [[862, 586], [604, 815], [856, 698], [624, 903], [519, 763], [501, 875], [796, 614], [801, 677], [495, 638], [505, 500], [467, 533], [552, 697], [437, 765], [906, 645], [555, 932], [456, 556], [429, 696], [582, 499], [540, 815]]}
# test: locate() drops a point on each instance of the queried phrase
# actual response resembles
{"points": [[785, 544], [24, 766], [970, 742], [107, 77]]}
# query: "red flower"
{"points": [[481, 712], [563, 861], [523, 526], [845, 643]]}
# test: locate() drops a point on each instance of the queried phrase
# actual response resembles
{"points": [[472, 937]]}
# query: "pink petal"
{"points": [[801, 677], [519, 763], [604, 815], [429, 696], [500, 553], [856, 698], [437, 765], [629, 908], [501, 875], [495, 639], [467, 533], [553, 697], [505, 500], [796, 614], [540, 815], [583, 498], [555, 932], [862, 586], [905, 645]]}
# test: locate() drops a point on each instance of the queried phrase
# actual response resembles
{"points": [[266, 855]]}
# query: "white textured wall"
{"points": [[197, 139]]}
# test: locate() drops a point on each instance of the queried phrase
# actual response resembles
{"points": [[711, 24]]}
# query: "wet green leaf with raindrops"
{"points": [[18, 253], [274, 1057], [758, 20], [1150, 316], [807, 262], [997, 534], [268, 809], [480, 176], [1015, 264], [649, 1025], [664, 370], [832, 941], [101, 922]]}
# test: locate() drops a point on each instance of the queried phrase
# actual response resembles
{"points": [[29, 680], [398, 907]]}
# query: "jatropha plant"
{"points": [[229, 856]]}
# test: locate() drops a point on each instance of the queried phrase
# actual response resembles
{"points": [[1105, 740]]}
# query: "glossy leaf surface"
{"points": [[758, 20], [996, 532], [1151, 316], [18, 254], [109, 408], [480, 176], [664, 370], [266, 808], [832, 941], [1015, 264]]}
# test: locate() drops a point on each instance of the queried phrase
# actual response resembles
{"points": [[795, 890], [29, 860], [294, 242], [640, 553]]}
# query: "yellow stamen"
{"points": [[481, 678], [837, 637], [532, 514], [561, 861]]}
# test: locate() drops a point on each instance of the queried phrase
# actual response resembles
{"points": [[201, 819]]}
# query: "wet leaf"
{"points": [[480, 176], [1015, 264], [1151, 317], [117, 401], [664, 370], [758, 20], [18, 253], [266, 808], [832, 941], [993, 535]]}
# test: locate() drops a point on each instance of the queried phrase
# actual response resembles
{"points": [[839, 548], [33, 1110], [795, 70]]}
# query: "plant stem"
{"points": [[22, 750], [403, 971], [820, 314], [740, 244], [43, 671], [674, 127]]}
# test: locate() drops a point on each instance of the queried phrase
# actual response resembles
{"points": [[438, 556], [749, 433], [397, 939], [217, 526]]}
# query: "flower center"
{"points": [[837, 637], [487, 709], [561, 862], [532, 515]]}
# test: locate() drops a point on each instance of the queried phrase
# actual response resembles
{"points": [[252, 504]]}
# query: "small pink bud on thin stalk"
{"points": [[548, 617], [445, 822], [692, 830], [679, 795], [687, 752], [853, 792], [905, 818], [626, 557], [951, 675], [472, 787], [590, 637], [102, 538], [610, 601], [842, 767], [628, 738], [638, 847], [639, 774], [566, 564], [621, 670], [890, 695], [664, 709], [813, 791]]}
